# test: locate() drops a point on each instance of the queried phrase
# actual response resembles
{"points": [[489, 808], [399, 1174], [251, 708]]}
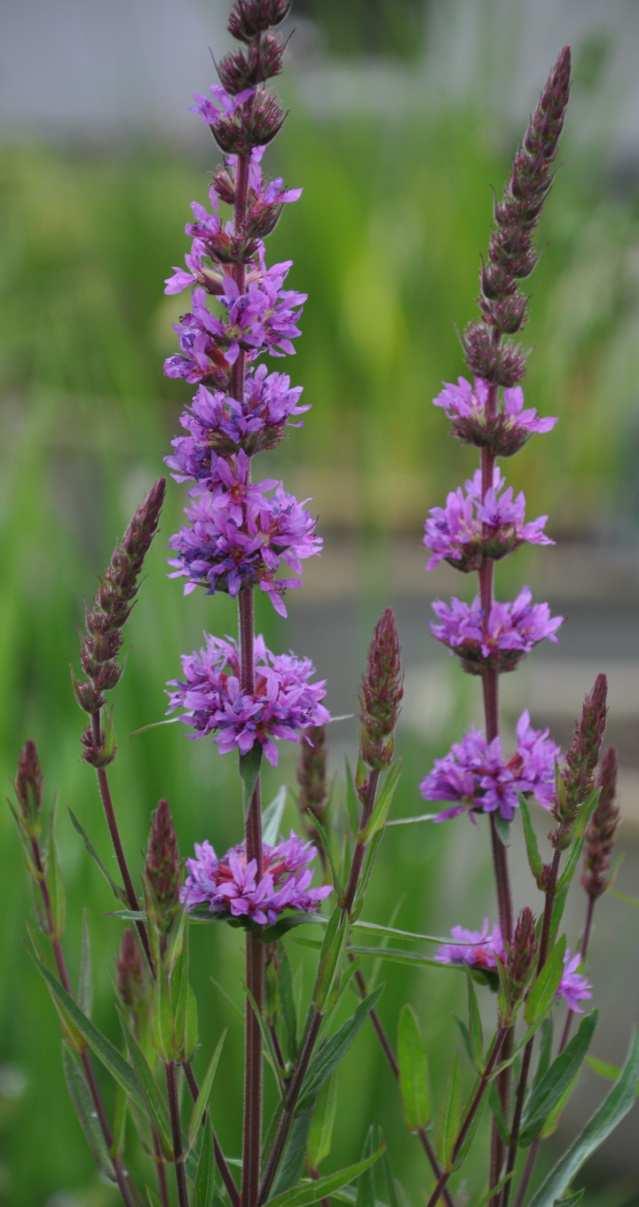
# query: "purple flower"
{"points": [[221, 107], [284, 703], [240, 533], [480, 949], [231, 886], [504, 433], [470, 528], [218, 423], [512, 630], [574, 988], [475, 773]]}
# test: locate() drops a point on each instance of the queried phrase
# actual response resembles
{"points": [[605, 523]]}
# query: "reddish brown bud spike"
{"points": [[522, 949], [162, 866], [577, 778], [131, 973], [28, 781], [311, 771], [601, 833], [381, 693]]}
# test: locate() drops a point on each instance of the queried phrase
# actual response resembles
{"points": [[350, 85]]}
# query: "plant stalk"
{"points": [[176, 1133]]}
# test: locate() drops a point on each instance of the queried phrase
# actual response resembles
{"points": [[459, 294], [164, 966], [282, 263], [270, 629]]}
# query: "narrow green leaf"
{"points": [[550, 1088], [320, 1137], [603, 1068], [155, 1108], [287, 1006], [55, 885], [102, 1047], [605, 1119], [413, 1070], [545, 1049], [93, 854], [353, 803], [367, 1185], [85, 1110], [551, 1123], [85, 986], [249, 772], [397, 956], [202, 1101], [383, 803], [415, 936], [330, 956], [413, 821], [475, 1030], [292, 1166], [535, 861], [542, 994], [312, 1192], [205, 1177], [334, 1049], [120, 1117], [452, 1115], [497, 1111], [503, 829], [272, 818]]}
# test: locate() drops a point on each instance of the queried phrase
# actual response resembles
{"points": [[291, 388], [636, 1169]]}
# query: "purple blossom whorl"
{"points": [[503, 433], [285, 701], [511, 631], [230, 885]]}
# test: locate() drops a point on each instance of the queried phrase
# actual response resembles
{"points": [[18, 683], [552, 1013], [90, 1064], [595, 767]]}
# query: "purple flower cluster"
{"points": [[218, 423], [284, 703], [231, 886], [499, 641], [476, 776], [483, 949], [503, 433], [240, 533], [473, 525]]}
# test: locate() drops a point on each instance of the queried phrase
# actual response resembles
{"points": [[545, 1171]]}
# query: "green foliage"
{"points": [[413, 1070]]}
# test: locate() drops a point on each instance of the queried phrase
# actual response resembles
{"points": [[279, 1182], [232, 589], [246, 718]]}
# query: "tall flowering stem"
{"points": [[241, 533], [484, 523]]}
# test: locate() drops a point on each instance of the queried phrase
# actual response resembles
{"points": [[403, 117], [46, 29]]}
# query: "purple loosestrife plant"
{"points": [[244, 533]]}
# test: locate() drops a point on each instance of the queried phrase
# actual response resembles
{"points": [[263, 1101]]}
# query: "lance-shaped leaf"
{"points": [[602, 1123], [330, 956], [367, 1185], [102, 1048], [249, 772], [85, 1109], [312, 1192], [542, 994], [452, 1115], [383, 802], [334, 1049], [155, 1107], [320, 1136], [93, 854], [272, 818], [535, 861], [475, 1031], [85, 986], [205, 1180], [551, 1087], [413, 1070], [202, 1101]]}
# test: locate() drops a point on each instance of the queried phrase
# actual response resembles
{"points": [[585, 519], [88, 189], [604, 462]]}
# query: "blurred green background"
{"points": [[399, 149]]}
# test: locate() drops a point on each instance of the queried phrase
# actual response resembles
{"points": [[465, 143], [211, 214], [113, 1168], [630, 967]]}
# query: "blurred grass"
{"points": [[387, 242]]}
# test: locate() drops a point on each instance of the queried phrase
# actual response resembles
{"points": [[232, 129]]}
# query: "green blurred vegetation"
{"points": [[387, 241]]}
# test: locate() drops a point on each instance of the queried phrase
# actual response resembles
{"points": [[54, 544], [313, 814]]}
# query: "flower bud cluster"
{"points": [[381, 694], [600, 835], [113, 602], [576, 780]]}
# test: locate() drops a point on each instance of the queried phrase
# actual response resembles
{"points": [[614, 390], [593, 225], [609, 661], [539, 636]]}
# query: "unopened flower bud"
{"points": [[163, 867], [381, 693], [243, 69], [311, 772], [251, 17], [28, 782], [600, 835], [98, 753], [576, 781], [503, 365], [522, 952], [131, 978]]}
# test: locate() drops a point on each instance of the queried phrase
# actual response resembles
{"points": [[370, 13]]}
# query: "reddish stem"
{"points": [[176, 1133]]}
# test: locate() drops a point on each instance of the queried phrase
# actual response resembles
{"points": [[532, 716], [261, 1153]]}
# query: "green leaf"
{"points": [[330, 956], [312, 1192], [286, 999], [605, 1119], [475, 1030], [367, 1186], [413, 1070], [85, 1110], [120, 1116], [398, 956], [272, 818], [93, 854], [394, 932], [452, 1115], [102, 1047], [249, 772], [497, 1110], [542, 994], [292, 1166], [413, 821], [320, 1137], [334, 1049], [85, 987], [382, 804], [603, 1068], [545, 1049], [353, 803], [155, 1108], [551, 1087], [55, 886], [205, 1180], [201, 1103], [535, 861], [503, 829]]}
